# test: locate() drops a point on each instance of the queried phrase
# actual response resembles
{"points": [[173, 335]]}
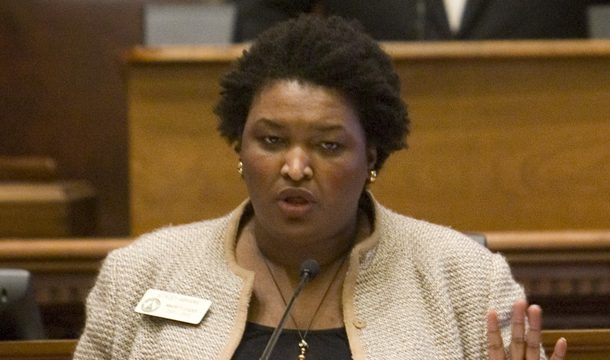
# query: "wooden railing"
{"points": [[37, 350], [566, 272], [64, 269], [557, 262], [582, 345]]}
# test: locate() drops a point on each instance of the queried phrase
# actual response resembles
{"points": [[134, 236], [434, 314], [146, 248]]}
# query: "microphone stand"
{"points": [[309, 270]]}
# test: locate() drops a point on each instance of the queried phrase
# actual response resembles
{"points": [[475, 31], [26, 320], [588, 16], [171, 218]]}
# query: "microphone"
{"points": [[309, 270]]}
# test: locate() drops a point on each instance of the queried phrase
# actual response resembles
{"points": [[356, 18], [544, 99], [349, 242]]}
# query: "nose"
{"points": [[297, 165]]}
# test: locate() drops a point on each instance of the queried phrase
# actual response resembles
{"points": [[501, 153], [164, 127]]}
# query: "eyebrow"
{"points": [[270, 123], [318, 127]]}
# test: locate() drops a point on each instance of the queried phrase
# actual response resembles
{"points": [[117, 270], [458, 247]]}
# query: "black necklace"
{"points": [[303, 346]]}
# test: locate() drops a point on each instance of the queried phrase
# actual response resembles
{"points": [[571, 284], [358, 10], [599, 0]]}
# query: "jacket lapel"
{"points": [[437, 18], [472, 11]]}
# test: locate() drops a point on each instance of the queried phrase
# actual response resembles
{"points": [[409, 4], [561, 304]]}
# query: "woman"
{"points": [[313, 109]]}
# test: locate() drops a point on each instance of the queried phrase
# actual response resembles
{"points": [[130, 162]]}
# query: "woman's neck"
{"points": [[276, 268], [291, 253]]}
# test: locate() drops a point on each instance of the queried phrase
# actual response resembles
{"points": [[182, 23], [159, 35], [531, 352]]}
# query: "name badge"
{"points": [[172, 306]]}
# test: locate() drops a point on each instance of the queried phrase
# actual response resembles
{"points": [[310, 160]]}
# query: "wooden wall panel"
{"points": [[63, 96], [506, 136], [62, 92], [66, 98], [505, 143], [176, 151]]}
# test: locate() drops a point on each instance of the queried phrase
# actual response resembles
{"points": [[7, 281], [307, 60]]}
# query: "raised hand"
{"points": [[524, 345]]}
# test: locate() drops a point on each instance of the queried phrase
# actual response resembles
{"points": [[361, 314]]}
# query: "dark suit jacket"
{"points": [[402, 20]]}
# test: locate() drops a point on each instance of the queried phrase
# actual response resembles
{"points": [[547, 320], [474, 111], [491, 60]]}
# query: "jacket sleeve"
{"points": [[96, 342], [504, 290], [255, 16]]}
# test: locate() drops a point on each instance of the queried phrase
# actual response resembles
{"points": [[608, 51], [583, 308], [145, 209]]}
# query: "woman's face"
{"points": [[305, 161]]}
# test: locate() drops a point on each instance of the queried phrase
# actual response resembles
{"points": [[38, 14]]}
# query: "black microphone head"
{"points": [[311, 267]]}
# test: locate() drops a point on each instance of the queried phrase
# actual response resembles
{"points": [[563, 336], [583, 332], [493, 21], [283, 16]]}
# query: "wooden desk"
{"points": [[64, 270], [511, 135], [37, 350], [582, 345], [63, 273], [47, 209], [557, 262], [566, 272]]}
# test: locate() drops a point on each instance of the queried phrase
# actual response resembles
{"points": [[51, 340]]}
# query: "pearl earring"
{"points": [[240, 168]]}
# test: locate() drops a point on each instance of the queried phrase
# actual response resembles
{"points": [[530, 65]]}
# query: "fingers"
{"points": [[494, 337], [533, 338], [517, 344], [525, 345], [561, 348]]}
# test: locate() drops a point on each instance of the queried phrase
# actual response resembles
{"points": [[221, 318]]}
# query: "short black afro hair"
{"points": [[329, 52]]}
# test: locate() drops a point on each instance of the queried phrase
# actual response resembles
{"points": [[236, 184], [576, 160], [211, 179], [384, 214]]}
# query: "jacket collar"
{"points": [[438, 15], [472, 11], [360, 257]]}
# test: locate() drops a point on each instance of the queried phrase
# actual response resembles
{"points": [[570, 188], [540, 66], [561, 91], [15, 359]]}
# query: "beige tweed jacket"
{"points": [[413, 290]]}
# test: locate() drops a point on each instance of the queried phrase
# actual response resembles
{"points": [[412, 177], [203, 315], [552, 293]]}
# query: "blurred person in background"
{"points": [[408, 20]]}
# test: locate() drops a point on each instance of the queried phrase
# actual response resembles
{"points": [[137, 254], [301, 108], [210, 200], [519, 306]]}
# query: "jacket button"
{"points": [[358, 323]]}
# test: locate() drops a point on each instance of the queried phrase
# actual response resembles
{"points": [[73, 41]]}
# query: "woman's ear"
{"points": [[371, 157]]}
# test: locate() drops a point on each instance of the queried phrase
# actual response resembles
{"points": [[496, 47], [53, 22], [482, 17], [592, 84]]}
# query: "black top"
{"points": [[328, 344]]}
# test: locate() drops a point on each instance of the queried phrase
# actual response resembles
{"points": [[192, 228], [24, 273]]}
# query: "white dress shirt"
{"points": [[455, 10]]}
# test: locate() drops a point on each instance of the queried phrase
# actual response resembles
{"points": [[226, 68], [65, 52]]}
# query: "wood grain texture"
{"points": [[63, 94], [582, 345], [27, 168], [39, 349], [64, 270], [569, 277], [47, 209], [505, 136]]}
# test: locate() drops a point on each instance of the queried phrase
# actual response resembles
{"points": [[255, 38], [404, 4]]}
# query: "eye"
{"points": [[330, 146], [271, 140]]}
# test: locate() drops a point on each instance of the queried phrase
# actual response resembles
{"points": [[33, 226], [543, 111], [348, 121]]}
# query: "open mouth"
{"points": [[296, 200]]}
